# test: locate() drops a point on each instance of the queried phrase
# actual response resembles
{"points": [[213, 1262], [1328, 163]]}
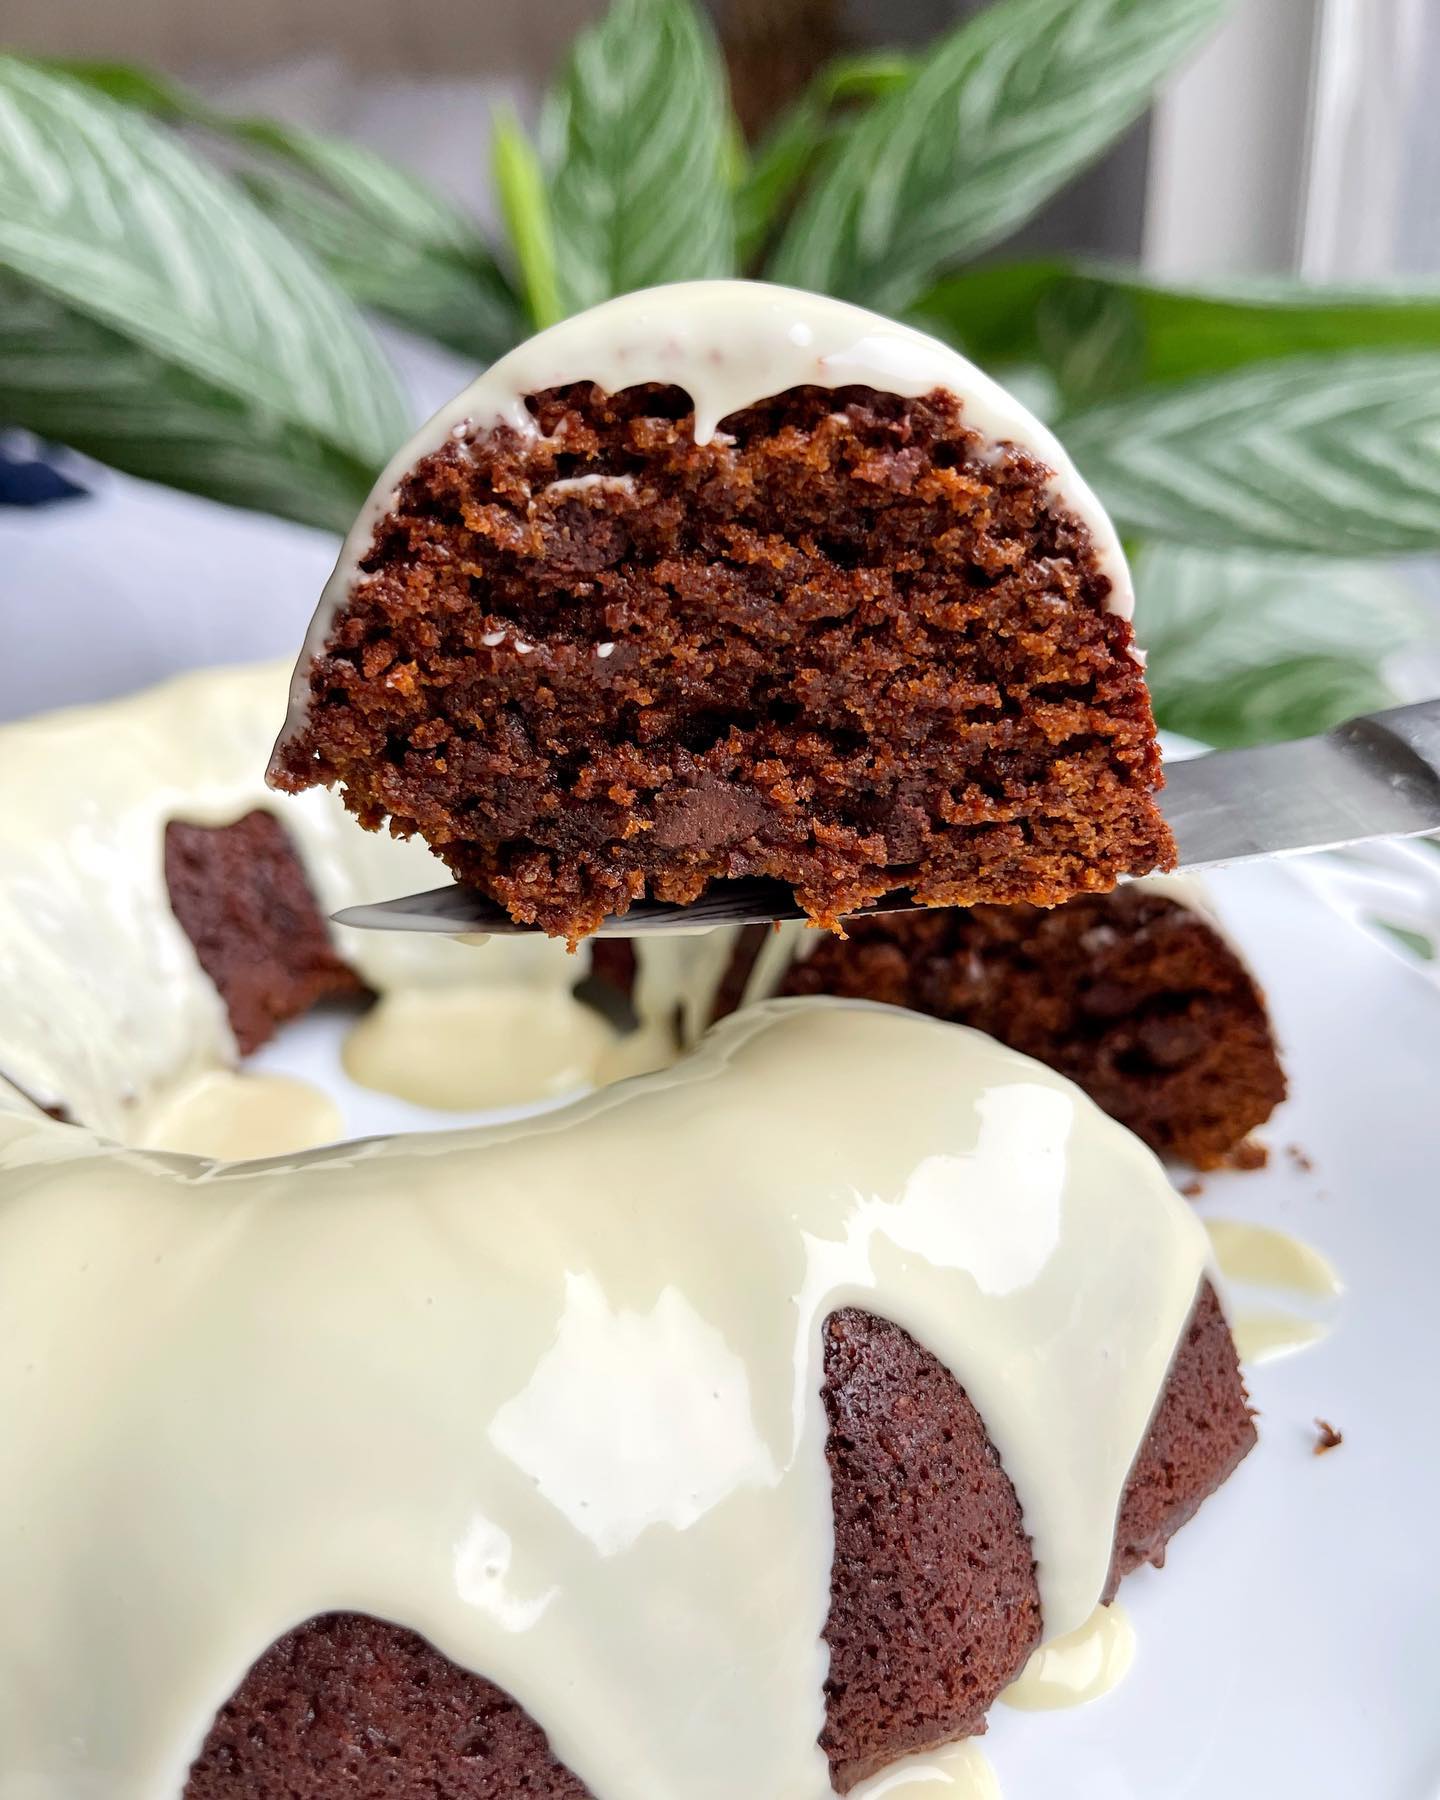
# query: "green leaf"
{"points": [[525, 204], [1334, 456], [1092, 339], [430, 293], [1292, 698], [1216, 328], [389, 239], [806, 128], [76, 382], [1017, 311], [110, 220], [990, 312], [999, 116], [638, 142], [1247, 648]]}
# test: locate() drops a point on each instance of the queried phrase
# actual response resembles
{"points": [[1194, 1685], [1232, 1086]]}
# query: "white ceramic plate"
{"points": [[1292, 1644]]}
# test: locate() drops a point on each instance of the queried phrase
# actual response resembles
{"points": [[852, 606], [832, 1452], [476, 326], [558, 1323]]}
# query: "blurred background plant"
{"points": [[184, 296]]}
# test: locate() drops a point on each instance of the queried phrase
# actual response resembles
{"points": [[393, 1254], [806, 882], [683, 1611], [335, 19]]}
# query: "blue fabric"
{"points": [[26, 480]]}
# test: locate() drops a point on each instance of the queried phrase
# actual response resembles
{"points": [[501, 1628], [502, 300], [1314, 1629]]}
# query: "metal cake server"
{"points": [[1373, 777]]}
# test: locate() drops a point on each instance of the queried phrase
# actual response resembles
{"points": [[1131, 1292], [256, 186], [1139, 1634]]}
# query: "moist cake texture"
{"points": [[241, 896], [599, 648]]}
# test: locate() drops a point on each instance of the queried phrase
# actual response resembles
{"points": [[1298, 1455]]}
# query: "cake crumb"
{"points": [[1327, 1437], [643, 635], [1299, 1159], [1192, 1189], [1247, 1156]]}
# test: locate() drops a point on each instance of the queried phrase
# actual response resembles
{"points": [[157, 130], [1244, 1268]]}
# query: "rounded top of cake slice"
{"points": [[726, 579], [728, 344]]}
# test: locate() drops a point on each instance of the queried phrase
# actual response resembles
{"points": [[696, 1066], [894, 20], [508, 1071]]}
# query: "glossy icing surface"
{"points": [[1083, 1665], [549, 1392]]}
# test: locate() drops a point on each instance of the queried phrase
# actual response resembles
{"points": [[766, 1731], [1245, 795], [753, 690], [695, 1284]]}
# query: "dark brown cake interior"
{"points": [[243, 899], [1134, 996], [844, 644], [934, 1607]]}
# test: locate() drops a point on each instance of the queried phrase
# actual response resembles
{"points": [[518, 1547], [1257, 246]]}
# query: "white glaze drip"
{"points": [[1267, 1257], [466, 1049], [729, 344], [1262, 1337], [958, 1772], [1083, 1665], [106, 1005], [234, 1115], [549, 1393]]}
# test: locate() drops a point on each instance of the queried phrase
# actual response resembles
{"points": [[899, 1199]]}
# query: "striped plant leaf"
{"points": [[1336, 456], [104, 215], [1248, 648], [803, 131], [390, 240], [427, 291], [998, 117], [77, 382], [637, 138]]}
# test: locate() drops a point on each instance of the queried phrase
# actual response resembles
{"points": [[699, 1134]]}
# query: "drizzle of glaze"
{"points": [[958, 1772], [468, 1048], [236, 1116], [549, 1392], [1271, 1258], [729, 344], [1266, 1336], [1263, 1257], [1079, 1667]]}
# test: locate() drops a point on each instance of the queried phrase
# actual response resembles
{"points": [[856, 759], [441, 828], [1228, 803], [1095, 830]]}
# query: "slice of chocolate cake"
{"points": [[1135, 995], [727, 580]]}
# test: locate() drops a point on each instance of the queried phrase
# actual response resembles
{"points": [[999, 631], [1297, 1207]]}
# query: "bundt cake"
{"points": [[724, 580], [660, 1445]]}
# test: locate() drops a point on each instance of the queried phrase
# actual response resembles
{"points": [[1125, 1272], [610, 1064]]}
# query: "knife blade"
{"points": [[1377, 776]]}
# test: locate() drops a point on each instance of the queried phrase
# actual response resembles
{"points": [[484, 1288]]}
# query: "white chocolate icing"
{"points": [[1260, 1256], [466, 1049], [958, 1772], [729, 344], [232, 1116], [1266, 1336], [105, 1002], [549, 1393], [1082, 1666], [1270, 1258]]}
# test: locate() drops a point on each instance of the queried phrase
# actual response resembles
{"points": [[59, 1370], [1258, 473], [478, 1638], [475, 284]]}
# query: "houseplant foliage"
{"points": [[183, 295]]}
